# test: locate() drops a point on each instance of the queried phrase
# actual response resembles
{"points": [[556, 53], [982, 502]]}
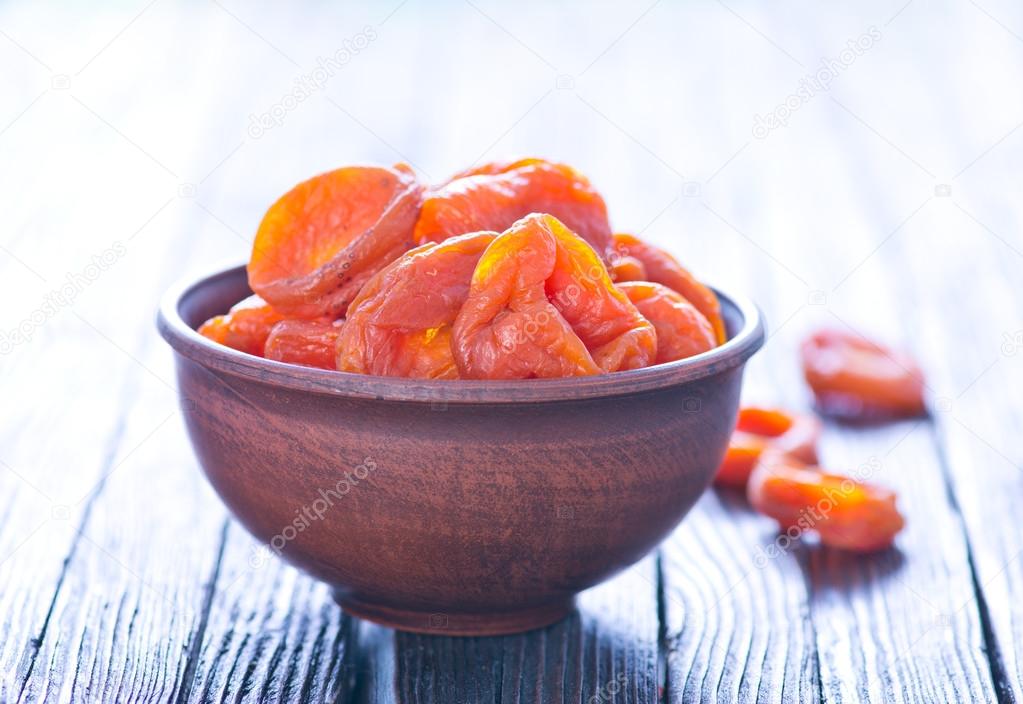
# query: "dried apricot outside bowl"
{"points": [[492, 503]]}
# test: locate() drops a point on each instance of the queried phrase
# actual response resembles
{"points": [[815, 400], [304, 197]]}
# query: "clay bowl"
{"points": [[457, 507]]}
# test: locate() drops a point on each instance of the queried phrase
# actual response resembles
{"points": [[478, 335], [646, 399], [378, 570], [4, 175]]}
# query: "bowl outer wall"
{"points": [[452, 506]]}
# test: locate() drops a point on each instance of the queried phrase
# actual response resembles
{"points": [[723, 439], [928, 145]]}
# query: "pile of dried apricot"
{"points": [[772, 455], [507, 270]]}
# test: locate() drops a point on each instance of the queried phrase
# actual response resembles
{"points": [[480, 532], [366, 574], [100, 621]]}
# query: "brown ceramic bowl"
{"points": [[458, 507]]}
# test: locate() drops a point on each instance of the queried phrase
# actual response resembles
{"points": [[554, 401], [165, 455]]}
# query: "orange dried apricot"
{"points": [[541, 304], [625, 268], [660, 267], [857, 379], [495, 167], [323, 239], [245, 327], [400, 323], [310, 343], [682, 331], [494, 196], [845, 513], [759, 430]]}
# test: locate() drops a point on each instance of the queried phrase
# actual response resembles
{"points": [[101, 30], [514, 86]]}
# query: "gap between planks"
{"points": [[195, 646], [996, 663], [108, 460]]}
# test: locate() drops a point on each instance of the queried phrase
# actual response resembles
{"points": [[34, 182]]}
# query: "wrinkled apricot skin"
{"points": [[541, 304], [309, 343], [682, 331], [494, 196], [365, 270], [855, 379], [660, 267], [625, 269], [845, 513], [245, 327], [400, 323], [493, 168], [759, 430], [321, 241]]}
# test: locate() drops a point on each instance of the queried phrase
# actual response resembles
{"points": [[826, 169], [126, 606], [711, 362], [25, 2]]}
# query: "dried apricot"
{"points": [[682, 331], [495, 167], [310, 343], [400, 323], [245, 327], [758, 430], [625, 268], [541, 304], [660, 267], [845, 513], [857, 379], [494, 196], [323, 239]]}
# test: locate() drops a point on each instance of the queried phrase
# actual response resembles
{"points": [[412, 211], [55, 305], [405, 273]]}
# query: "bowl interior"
{"points": [[187, 305]]}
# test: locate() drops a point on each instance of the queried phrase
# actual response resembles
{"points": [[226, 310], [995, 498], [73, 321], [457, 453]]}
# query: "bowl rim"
{"points": [[216, 357]]}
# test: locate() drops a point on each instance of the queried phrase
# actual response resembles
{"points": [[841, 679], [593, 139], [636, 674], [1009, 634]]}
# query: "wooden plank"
{"points": [[958, 269], [130, 607], [61, 438], [132, 600], [296, 645], [606, 651], [866, 612], [889, 627], [738, 619], [129, 600], [906, 623], [977, 331], [272, 634], [869, 614], [737, 624]]}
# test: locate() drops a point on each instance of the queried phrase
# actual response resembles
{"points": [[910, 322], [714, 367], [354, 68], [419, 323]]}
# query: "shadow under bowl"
{"points": [[453, 507]]}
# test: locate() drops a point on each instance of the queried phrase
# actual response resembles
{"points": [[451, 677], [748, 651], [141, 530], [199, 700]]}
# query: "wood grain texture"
{"points": [[882, 617], [74, 441], [133, 593], [255, 650], [968, 320], [978, 440], [271, 634], [606, 651], [123, 613], [737, 619]]}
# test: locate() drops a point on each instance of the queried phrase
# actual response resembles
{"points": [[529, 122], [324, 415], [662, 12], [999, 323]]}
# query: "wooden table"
{"points": [[133, 153]]}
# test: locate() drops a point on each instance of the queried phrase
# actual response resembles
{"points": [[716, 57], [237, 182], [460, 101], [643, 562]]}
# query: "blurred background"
{"points": [[853, 166], [806, 141]]}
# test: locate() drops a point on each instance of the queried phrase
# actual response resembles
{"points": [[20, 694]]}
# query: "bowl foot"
{"points": [[458, 624]]}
